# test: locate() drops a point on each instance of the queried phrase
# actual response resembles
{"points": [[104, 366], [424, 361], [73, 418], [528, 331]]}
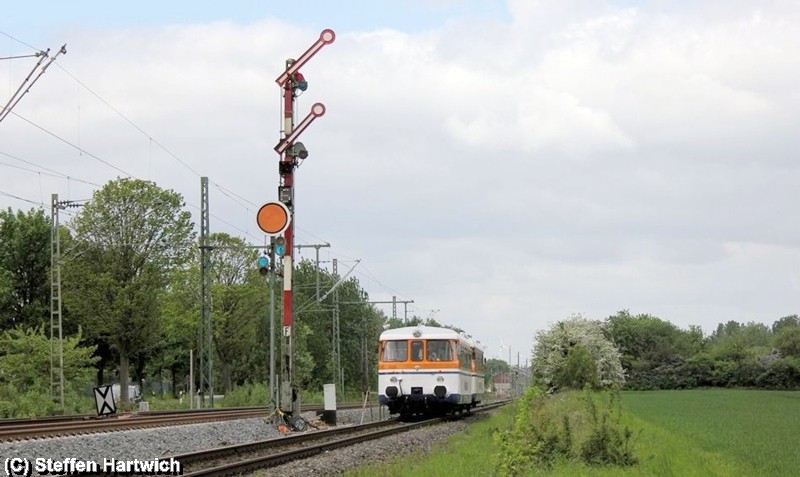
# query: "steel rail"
{"points": [[257, 446], [277, 458], [75, 425]]}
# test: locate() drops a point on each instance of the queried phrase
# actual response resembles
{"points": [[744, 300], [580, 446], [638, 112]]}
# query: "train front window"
{"points": [[439, 350], [395, 351], [416, 351]]}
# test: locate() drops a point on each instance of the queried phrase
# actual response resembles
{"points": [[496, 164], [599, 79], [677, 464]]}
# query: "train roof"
{"points": [[425, 332]]}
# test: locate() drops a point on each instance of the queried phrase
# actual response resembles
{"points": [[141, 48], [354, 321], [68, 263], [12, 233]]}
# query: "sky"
{"points": [[503, 164]]}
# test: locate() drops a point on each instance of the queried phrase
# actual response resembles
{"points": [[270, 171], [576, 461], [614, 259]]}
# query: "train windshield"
{"points": [[416, 351], [439, 350], [395, 351]]}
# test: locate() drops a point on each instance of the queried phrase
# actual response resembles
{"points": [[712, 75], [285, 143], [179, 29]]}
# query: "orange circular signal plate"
{"points": [[273, 218]]}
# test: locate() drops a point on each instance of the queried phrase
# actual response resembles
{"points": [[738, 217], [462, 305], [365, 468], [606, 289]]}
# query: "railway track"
{"points": [[23, 429], [243, 458]]}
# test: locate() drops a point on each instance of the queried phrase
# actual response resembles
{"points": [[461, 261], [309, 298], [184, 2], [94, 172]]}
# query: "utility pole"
{"points": [[273, 399], [205, 338], [56, 333], [365, 378], [338, 375], [527, 374], [266, 267], [291, 81], [316, 246], [393, 302]]}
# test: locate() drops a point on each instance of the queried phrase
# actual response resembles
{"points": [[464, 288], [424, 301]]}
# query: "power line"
{"points": [[52, 173], [70, 144], [101, 160], [129, 121], [20, 41], [230, 194], [245, 232], [371, 276], [21, 198], [225, 191]]}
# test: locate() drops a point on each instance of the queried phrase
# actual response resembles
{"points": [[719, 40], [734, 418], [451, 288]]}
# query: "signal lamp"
{"points": [[280, 246], [298, 150], [299, 82], [263, 265]]}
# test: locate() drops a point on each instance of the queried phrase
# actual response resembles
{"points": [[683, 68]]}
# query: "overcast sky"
{"points": [[505, 163]]}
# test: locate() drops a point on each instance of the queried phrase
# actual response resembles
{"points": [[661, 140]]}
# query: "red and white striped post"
{"points": [[290, 81]]}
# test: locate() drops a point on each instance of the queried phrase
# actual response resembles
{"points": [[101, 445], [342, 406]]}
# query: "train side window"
{"points": [[396, 350], [416, 351]]}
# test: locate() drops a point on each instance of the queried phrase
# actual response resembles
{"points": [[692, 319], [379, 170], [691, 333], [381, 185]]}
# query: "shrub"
{"points": [[534, 439], [562, 427], [25, 374], [249, 394], [608, 442], [551, 352], [783, 373]]}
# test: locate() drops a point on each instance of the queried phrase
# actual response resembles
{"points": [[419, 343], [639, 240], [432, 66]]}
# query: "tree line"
{"points": [[645, 352], [131, 304]]}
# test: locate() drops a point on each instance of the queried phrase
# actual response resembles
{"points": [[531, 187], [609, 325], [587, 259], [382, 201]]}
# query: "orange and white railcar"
{"points": [[429, 370]]}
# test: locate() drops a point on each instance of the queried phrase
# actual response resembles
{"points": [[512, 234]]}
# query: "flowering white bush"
{"points": [[552, 348]]}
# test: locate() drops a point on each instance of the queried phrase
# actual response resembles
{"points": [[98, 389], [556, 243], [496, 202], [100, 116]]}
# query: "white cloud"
{"points": [[579, 158]]}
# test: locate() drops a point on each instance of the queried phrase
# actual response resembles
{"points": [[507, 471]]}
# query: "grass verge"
{"points": [[468, 453], [715, 432]]}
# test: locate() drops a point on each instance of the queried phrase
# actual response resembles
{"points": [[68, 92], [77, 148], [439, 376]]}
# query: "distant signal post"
{"points": [[289, 149]]}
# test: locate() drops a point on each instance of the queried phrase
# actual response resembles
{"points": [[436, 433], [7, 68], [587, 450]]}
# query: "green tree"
{"points": [[128, 239], [24, 268], [495, 367], [238, 298], [787, 341], [360, 326], [180, 310], [579, 370], [741, 352], [654, 351], [786, 321], [25, 372]]}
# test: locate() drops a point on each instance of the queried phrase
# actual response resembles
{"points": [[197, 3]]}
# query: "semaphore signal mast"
{"points": [[273, 218]]}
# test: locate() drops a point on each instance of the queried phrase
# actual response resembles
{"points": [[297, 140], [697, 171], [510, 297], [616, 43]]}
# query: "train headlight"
{"points": [[440, 379], [393, 379]]}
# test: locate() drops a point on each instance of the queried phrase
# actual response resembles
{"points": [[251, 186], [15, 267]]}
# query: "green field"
{"points": [[714, 432], [752, 432]]}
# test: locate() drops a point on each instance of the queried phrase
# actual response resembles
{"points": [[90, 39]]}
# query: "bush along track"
{"points": [[582, 428]]}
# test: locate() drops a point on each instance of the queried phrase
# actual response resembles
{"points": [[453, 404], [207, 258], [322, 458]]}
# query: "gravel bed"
{"points": [[420, 442], [145, 444], [151, 443]]}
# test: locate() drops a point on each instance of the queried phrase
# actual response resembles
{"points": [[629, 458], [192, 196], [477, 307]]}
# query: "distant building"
{"points": [[501, 383]]}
